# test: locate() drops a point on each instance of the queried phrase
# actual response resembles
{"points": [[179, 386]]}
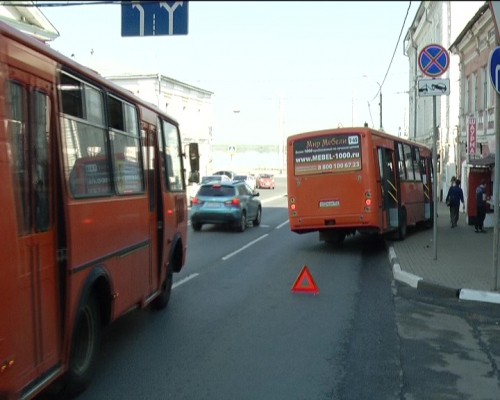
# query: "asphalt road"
{"points": [[235, 330]]}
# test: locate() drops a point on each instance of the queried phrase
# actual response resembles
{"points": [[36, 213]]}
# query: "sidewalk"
{"points": [[464, 264]]}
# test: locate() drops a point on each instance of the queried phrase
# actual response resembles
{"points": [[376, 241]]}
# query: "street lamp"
{"points": [[380, 101]]}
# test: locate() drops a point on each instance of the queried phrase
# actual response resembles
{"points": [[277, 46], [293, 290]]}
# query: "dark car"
{"points": [[265, 181], [233, 204]]}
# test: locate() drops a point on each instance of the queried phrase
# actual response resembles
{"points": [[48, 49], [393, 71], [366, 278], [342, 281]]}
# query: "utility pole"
{"points": [[380, 104]]}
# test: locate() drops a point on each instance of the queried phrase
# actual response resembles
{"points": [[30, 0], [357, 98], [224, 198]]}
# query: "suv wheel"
{"points": [[258, 217], [243, 222]]}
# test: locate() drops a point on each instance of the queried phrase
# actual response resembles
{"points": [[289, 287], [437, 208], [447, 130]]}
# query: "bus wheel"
{"points": [[403, 227], [85, 348], [339, 238], [332, 237], [161, 301]]}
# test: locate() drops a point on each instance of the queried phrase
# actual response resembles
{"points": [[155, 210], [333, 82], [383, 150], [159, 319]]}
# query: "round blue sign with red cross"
{"points": [[433, 60]]}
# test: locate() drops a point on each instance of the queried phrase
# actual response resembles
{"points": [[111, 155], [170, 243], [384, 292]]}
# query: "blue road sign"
{"points": [[433, 60], [494, 68], [154, 18]]}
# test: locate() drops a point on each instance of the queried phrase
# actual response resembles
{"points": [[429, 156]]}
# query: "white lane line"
{"points": [[272, 198], [244, 247], [281, 225], [184, 280]]}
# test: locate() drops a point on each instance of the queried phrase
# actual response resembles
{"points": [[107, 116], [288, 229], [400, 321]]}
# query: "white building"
{"points": [[437, 22], [27, 19], [191, 106]]}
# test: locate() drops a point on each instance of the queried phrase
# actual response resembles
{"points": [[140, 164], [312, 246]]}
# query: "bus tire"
{"points": [[403, 225], [161, 301], [85, 349]]}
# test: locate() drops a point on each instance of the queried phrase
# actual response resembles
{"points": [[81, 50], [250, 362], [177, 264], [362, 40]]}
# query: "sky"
{"points": [[286, 67]]}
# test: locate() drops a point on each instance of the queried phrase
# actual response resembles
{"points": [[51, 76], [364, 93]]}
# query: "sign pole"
{"points": [[496, 192], [494, 69], [434, 162], [434, 61]]}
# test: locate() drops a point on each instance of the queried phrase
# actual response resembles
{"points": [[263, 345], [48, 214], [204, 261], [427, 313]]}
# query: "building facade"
{"points": [[476, 136], [437, 22], [28, 19]]}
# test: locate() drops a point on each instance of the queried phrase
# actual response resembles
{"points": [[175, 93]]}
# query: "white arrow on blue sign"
{"points": [[154, 18], [494, 68]]}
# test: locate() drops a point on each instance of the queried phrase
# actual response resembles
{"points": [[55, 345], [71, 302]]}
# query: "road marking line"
{"points": [[281, 225], [244, 247], [272, 198], [184, 280]]}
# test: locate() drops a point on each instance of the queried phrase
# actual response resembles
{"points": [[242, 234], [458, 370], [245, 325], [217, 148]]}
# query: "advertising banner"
{"points": [[327, 154], [471, 138]]}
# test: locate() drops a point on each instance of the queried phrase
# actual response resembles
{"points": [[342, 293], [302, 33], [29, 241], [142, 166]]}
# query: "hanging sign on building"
{"points": [[471, 138]]}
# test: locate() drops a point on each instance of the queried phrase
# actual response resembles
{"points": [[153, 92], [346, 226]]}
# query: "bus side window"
{"points": [[417, 164], [409, 162], [401, 165], [41, 121], [125, 147], [84, 138]]}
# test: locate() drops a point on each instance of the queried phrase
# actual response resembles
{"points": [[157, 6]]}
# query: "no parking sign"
{"points": [[433, 60]]}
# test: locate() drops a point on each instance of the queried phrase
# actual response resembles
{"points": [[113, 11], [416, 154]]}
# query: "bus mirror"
{"points": [[194, 177], [194, 157]]}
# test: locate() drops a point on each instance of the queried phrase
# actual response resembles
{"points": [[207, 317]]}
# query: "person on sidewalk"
{"points": [[480, 207], [453, 199]]}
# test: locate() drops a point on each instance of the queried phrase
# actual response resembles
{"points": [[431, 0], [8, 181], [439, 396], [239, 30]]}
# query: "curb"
{"points": [[423, 286]]}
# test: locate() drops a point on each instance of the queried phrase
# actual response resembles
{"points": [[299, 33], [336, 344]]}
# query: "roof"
{"points": [[470, 24], [27, 18]]}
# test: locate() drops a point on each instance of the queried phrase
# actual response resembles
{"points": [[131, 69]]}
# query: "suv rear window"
{"points": [[217, 190]]}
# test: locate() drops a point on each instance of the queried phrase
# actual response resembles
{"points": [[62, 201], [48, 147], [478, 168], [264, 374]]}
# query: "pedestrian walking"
{"points": [[480, 207], [454, 197]]}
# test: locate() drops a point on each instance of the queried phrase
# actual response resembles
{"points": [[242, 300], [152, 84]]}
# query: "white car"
{"points": [[249, 179], [191, 191]]}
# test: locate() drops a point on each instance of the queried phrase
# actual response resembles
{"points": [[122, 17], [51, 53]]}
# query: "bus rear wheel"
{"points": [[403, 225], [160, 302], [85, 349]]}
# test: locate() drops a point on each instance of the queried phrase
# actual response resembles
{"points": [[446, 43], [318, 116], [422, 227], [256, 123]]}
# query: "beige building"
{"points": [[475, 141]]}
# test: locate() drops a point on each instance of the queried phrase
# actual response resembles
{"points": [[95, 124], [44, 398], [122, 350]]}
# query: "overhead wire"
{"points": [[394, 53]]}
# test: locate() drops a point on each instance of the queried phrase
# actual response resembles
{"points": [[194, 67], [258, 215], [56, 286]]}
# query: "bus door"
{"points": [[155, 202], [173, 193], [39, 290], [388, 185]]}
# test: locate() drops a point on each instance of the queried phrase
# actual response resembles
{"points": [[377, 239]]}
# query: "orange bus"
{"points": [[94, 214], [348, 180]]}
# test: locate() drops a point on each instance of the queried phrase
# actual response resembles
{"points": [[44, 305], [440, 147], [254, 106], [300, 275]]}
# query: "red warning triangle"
{"points": [[305, 283]]}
